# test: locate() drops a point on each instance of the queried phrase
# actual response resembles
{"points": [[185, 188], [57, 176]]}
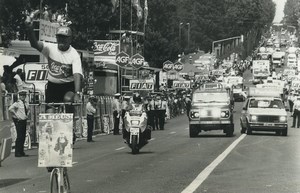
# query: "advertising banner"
{"points": [[55, 133], [141, 84], [37, 74], [105, 50], [182, 84], [47, 31]]}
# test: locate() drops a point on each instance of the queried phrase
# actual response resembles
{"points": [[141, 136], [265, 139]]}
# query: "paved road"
{"points": [[172, 162]]}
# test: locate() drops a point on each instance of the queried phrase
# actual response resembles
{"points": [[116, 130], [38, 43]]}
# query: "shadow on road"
{"points": [[9, 182]]}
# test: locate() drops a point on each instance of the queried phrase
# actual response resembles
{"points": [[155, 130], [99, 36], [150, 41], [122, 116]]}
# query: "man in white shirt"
{"points": [[19, 111], [90, 112], [116, 107]]}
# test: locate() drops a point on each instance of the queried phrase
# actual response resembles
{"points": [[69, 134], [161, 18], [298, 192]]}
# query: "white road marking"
{"points": [[207, 171], [186, 128], [173, 132], [120, 148], [74, 162], [42, 191], [151, 139]]}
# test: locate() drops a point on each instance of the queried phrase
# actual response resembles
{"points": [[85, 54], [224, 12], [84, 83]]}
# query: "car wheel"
{"points": [[193, 131]]}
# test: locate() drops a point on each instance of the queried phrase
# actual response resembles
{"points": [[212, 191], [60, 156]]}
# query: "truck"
{"points": [[278, 59], [261, 70]]}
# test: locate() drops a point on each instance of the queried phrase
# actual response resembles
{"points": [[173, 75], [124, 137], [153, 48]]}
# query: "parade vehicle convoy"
{"points": [[211, 110], [264, 111], [261, 70]]}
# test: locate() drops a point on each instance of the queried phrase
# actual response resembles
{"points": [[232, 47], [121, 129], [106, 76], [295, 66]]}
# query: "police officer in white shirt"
{"points": [[116, 107], [296, 112], [19, 111]]}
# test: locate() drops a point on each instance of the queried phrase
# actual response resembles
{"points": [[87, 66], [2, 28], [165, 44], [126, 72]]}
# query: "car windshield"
{"points": [[211, 97], [266, 103]]}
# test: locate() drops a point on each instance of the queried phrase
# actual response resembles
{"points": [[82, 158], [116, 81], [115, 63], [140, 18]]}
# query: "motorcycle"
{"points": [[136, 132]]}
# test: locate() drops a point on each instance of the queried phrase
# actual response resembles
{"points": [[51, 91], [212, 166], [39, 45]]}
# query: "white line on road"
{"points": [[186, 128], [120, 148], [173, 132], [151, 139], [74, 162], [207, 171]]}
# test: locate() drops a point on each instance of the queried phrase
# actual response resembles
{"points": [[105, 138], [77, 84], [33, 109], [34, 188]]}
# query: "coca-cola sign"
{"points": [[106, 47], [168, 65], [137, 61], [122, 59]]}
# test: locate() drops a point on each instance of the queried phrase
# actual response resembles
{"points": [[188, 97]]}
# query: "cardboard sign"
{"points": [[55, 133]]}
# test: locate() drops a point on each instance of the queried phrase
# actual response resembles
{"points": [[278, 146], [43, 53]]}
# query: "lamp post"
{"points": [[180, 24], [189, 29]]}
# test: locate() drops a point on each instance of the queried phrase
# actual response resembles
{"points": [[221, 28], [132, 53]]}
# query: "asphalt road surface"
{"points": [[172, 163]]}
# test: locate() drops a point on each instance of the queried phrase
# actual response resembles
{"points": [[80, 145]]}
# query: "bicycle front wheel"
{"points": [[54, 184]]}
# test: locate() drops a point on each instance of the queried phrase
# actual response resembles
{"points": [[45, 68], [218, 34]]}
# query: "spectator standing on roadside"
{"points": [[90, 112], [116, 107], [296, 112], [19, 81], [20, 111]]}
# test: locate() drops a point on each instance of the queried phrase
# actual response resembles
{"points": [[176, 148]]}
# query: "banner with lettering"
{"points": [[55, 132], [182, 84], [37, 74], [141, 84], [47, 31], [105, 49]]}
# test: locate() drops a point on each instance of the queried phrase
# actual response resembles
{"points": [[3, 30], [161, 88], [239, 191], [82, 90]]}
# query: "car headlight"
{"points": [[215, 112], [282, 119], [225, 114], [194, 114], [135, 122], [253, 118]]}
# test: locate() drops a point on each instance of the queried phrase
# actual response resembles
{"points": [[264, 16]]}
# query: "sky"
{"points": [[279, 10]]}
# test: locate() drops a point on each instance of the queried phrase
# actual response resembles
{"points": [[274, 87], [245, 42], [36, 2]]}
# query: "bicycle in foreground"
{"points": [[55, 149]]}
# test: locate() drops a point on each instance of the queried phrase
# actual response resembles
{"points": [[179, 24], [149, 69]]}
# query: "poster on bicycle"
{"points": [[55, 140]]}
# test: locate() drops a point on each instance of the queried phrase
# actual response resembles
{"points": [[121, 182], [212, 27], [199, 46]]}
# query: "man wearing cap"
{"points": [[19, 111], [116, 107], [64, 63]]}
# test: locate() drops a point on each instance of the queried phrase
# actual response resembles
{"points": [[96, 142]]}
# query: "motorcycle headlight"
{"points": [[282, 119], [253, 118], [135, 122]]}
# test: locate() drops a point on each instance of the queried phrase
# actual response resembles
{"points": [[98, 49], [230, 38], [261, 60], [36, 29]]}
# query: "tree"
{"points": [[292, 12]]}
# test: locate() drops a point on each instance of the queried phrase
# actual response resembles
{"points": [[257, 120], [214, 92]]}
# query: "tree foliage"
{"points": [[292, 12], [165, 38]]}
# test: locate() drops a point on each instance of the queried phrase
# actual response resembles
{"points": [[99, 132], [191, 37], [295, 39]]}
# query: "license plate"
{"points": [[134, 131], [269, 124]]}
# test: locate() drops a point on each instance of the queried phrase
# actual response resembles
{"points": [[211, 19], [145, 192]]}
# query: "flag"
{"points": [[66, 8], [115, 4], [139, 11], [145, 12]]}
